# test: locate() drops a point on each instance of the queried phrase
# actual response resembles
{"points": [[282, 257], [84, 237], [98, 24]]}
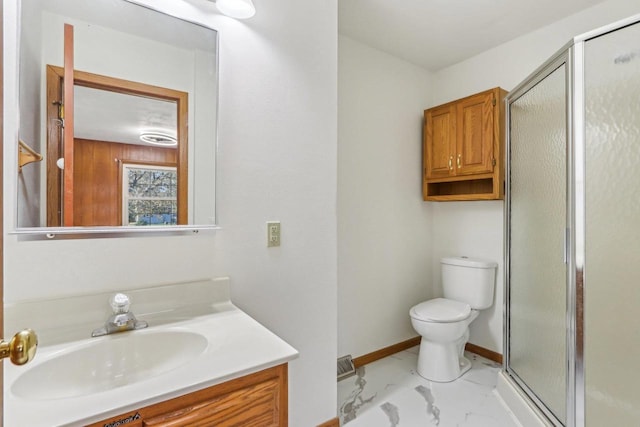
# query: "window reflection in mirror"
{"points": [[149, 195], [145, 87]]}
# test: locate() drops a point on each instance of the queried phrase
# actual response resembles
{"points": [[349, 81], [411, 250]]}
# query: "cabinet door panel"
{"points": [[253, 406], [255, 400], [474, 153], [440, 124]]}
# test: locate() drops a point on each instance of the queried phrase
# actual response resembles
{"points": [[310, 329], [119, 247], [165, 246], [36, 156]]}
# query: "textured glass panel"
{"points": [[612, 269], [538, 220]]}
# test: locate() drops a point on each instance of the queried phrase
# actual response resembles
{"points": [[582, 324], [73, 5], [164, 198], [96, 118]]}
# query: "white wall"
{"points": [[277, 161], [384, 226], [476, 228], [29, 179]]}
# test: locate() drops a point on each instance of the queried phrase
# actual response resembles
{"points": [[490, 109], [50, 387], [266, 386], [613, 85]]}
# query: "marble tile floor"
{"points": [[390, 393]]}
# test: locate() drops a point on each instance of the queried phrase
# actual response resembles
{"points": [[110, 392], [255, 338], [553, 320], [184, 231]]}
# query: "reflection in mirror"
{"points": [[115, 122], [143, 91], [141, 135]]}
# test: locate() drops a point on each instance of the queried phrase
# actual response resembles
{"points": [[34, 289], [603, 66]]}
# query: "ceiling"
{"points": [[102, 115], [437, 33]]}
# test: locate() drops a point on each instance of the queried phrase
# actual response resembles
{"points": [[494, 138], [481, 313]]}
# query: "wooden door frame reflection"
{"points": [[55, 81]]}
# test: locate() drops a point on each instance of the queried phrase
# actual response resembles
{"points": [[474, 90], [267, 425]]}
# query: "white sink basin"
{"points": [[108, 362]]}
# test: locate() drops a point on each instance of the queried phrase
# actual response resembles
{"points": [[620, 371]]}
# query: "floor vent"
{"points": [[345, 367]]}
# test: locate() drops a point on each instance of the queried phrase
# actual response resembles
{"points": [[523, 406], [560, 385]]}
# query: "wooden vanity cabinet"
{"points": [[463, 148], [256, 400]]}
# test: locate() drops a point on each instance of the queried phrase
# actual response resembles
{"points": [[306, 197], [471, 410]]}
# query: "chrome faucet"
{"points": [[121, 320]]}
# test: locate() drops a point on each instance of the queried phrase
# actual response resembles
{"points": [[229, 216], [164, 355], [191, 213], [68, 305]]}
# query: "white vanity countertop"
{"points": [[237, 345]]}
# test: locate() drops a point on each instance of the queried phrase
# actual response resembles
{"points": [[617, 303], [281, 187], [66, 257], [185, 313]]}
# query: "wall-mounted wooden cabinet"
{"points": [[463, 151], [258, 400]]}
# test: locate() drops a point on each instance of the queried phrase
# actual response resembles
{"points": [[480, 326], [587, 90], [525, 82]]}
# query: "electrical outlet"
{"points": [[273, 233]]}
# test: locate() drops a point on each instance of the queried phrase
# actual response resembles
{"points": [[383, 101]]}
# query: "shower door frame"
{"points": [[572, 55], [562, 57]]}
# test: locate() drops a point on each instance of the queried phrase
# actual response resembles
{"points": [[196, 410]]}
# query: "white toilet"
{"points": [[443, 323]]}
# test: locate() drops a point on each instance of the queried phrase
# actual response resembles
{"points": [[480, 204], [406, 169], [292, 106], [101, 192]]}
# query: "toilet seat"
{"points": [[441, 310]]}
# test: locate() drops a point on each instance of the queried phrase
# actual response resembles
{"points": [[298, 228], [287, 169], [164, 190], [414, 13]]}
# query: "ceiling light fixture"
{"points": [[239, 9], [157, 138]]}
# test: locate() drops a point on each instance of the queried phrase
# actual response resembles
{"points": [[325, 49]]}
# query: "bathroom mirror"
{"points": [[120, 101]]}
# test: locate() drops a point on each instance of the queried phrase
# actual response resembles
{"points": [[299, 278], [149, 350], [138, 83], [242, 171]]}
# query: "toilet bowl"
{"points": [[444, 327], [443, 323]]}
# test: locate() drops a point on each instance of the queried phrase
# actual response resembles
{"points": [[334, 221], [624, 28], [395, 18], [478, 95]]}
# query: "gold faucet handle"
{"points": [[22, 347]]}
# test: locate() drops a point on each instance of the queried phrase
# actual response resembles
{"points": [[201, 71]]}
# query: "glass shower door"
{"points": [[536, 324], [612, 228]]}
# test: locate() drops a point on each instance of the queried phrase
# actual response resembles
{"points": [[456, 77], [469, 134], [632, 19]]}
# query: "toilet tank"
{"points": [[469, 280]]}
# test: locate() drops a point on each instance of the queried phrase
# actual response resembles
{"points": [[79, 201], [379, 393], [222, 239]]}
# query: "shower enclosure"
{"points": [[572, 334]]}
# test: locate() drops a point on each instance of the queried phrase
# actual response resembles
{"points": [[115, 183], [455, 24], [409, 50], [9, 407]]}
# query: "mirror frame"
{"points": [[12, 32]]}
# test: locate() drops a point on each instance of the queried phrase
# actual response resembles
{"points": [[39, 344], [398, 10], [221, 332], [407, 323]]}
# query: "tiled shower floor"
{"points": [[390, 393]]}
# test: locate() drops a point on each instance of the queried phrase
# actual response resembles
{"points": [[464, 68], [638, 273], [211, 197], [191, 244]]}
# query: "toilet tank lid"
{"points": [[440, 310], [469, 262]]}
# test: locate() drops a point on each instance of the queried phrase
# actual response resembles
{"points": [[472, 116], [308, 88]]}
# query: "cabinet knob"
{"points": [[450, 162], [459, 161]]}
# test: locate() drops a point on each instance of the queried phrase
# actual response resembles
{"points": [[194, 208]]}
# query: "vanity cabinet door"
{"points": [[256, 400], [253, 405]]}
